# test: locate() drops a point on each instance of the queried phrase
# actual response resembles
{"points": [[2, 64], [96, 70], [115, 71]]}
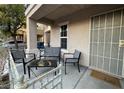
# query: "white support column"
{"points": [[31, 36], [47, 34], [45, 39]]}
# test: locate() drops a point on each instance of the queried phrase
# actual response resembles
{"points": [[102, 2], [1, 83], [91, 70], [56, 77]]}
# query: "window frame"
{"points": [[61, 37]]}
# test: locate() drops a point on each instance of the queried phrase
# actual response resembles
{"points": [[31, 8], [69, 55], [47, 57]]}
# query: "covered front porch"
{"points": [[79, 21]]}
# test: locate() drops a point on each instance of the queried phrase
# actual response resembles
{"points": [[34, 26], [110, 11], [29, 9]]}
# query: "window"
{"points": [[63, 36]]}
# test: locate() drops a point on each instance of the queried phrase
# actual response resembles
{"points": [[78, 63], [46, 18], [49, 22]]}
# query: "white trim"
{"points": [[123, 66], [98, 41], [111, 40], [104, 42], [30, 7], [108, 57], [90, 42], [107, 27], [29, 12], [121, 19], [63, 37]]}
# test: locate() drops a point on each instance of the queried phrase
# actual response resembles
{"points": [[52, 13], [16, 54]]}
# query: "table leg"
{"points": [[59, 59], [36, 68], [55, 73], [29, 71]]}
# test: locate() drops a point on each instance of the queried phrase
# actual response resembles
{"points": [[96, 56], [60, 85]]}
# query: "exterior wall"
{"points": [[78, 31], [55, 36], [78, 37]]}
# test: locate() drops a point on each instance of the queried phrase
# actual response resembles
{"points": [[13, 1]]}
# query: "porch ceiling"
{"points": [[65, 10], [48, 13]]}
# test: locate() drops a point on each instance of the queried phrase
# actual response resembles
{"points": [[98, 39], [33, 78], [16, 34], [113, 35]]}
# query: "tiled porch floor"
{"points": [[73, 79]]}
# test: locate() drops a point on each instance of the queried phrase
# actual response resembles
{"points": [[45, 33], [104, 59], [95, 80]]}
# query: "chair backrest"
{"points": [[18, 54], [52, 51], [56, 50], [77, 54]]}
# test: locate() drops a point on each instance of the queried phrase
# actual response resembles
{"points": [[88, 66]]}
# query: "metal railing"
{"points": [[49, 80]]}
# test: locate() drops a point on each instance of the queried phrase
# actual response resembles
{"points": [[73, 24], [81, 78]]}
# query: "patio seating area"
{"points": [[81, 80]]}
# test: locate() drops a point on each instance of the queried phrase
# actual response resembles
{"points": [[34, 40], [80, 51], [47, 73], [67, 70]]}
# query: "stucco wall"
{"points": [[78, 31], [78, 37], [55, 36]]}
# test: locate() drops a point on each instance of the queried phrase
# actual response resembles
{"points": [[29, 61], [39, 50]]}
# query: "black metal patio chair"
{"points": [[74, 59], [19, 56]]}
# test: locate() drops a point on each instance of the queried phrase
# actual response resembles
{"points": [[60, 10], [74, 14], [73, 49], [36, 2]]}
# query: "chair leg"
{"points": [[65, 67], [24, 68], [59, 60], [29, 71], [78, 67], [36, 68], [55, 73], [63, 62]]}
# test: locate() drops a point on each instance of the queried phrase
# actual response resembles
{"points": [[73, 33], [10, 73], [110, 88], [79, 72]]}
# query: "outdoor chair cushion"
{"points": [[67, 56], [71, 60]]}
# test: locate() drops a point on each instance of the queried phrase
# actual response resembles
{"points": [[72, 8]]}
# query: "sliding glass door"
{"points": [[106, 31]]}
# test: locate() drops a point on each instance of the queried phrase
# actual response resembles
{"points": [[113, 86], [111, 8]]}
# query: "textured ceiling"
{"points": [[65, 10]]}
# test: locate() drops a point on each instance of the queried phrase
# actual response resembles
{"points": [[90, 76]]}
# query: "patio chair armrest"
{"points": [[67, 54]]}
